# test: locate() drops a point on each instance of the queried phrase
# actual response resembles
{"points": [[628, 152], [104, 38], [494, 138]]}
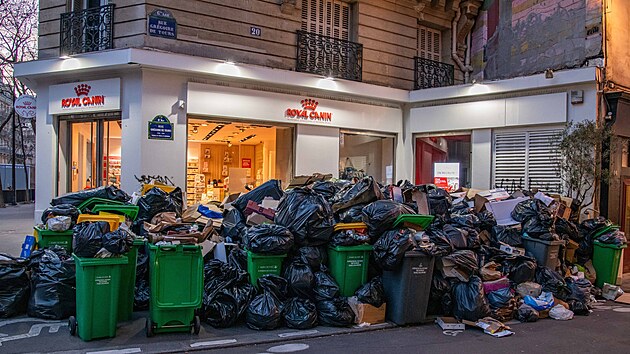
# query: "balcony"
{"points": [[87, 30], [430, 73], [330, 57]]}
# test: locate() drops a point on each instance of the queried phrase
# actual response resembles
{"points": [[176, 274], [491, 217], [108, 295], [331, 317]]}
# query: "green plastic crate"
{"points": [[259, 265], [98, 288], [423, 221], [128, 283], [349, 266], [92, 202], [176, 282], [606, 259], [130, 211], [47, 238]]}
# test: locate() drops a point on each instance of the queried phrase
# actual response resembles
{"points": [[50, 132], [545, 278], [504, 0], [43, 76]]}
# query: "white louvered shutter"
{"points": [[326, 17], [429, 43], [526, 160]]}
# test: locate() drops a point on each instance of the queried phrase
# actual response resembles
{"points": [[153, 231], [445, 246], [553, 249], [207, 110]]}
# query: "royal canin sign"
{"points": [[85, 96], [308, 112], [87, 100]]}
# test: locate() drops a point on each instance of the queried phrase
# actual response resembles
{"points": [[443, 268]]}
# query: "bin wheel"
{"points": [[196, 325], [148, 326], [72, 325]]}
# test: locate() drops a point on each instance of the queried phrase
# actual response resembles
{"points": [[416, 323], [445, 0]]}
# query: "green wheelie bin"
{"points": [[98, 288], [128, 283], [176, 282]]}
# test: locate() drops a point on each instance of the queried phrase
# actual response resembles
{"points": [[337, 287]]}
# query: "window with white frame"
{"points": [[526, 159], [429, 43], [326, 17]]}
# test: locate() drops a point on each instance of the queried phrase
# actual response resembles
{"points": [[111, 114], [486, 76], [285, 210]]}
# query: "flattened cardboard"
{"points": [[366, 313], [450, 323], [492, 195], [624, 299], [502, 210]]}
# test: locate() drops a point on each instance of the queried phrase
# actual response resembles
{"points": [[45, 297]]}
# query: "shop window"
{"points": [[524, 159], [89, 154], [226, 157], [443, 160], [429, 43], [363, 155], [326, 17]]}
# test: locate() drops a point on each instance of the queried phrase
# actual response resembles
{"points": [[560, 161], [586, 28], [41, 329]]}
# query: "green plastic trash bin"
{"points": [[259, 265], [176, 282], [48, 238], [90, 203], [606, 260], [98, 287], [349, 266], [130, 211], [128, 283]]}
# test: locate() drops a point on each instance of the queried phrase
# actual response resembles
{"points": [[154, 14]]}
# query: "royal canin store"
{"points": [[209, 139]]}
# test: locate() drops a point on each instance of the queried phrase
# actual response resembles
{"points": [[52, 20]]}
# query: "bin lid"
{"points": [[87, 262], [91, 202], [352, 248], [349, 226], [421, 220], [608, 245]]}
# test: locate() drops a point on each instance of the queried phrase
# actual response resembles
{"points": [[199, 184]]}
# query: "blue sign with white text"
{"points": [[161, 128], [162, 24]]}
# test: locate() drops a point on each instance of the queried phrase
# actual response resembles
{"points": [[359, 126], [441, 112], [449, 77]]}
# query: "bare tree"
{"points": [[18, 42]]}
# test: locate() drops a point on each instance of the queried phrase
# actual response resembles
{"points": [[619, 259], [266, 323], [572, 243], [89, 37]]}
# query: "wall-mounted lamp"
{"points": [[64, 57], [548, 74], [181, 104], [474, 81]]}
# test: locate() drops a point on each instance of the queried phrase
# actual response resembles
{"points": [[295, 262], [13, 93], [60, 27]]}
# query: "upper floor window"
{"points": [[326, 17], [78, 5], [429, 43]]}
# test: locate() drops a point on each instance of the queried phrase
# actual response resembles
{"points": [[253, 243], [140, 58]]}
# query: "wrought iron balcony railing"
{"points": [[329, 56], [87, 30], [430, 73]]}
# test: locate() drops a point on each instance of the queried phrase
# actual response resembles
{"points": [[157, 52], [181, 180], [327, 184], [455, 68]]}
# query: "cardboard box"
{"points": [[492, 195], [366, 313], [511, 249], [502, 210], [450, 323]]}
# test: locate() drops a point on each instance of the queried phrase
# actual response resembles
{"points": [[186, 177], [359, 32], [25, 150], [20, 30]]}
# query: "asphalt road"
{"points": [[15, 223]]}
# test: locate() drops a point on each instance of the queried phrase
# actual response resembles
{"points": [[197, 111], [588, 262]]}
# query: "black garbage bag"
{"points": [[272, 188], [118, 241], [313, 256], [535, 217], [439, 201], [233, 228], [552, 282], [506, 234], [265, 310], [592, 226], [301, 280], [579, 296], [227, 294], [87, 238], [335, 313], [567, 229], [456, 236], [538, 228], [465, 220], [461, 264], [325, 287], [519, 269], [486, 220], [307, 215], [300, 313], [351, 237], [105, 192], [142, 294], [269, 239], [238, 259], [390, 249], [351, 215], [53, 284], [327, 189], [157, 201], [442, 244], [371, 292], [460, 208], [15, 288], [61, 210], [527, 313], [526, 210], [363, 192], [500, 298], [440, 298], [380, 215], [470, 302], [614, 237]]}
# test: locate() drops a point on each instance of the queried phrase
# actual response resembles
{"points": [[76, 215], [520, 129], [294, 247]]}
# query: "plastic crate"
{"points": [[130, 211], [46, 238], [128, 283], [90, 203], [98, 288], [113, 220], [420, 222], [176, 283], [349, 266], [606, 259], [408, 289], [546, 253], [259, 265], [350, 226]]}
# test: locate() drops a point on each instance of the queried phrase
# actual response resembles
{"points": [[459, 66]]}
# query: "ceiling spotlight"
{"points": [[229, 144], [548, 74], [195, 129], [204, 124]]}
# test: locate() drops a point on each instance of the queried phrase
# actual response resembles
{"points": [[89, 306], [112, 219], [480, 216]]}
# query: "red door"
{"points": [[426, 156]]}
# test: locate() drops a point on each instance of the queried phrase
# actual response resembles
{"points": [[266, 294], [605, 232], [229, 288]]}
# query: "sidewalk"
{"points": [[15, 223]]}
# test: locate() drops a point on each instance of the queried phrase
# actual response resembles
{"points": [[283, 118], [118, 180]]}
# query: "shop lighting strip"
{"points": [[214, 131], [247, 138]]}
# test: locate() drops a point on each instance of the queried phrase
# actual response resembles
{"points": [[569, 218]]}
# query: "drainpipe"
{"points": [[467, 69], [468, 58]]}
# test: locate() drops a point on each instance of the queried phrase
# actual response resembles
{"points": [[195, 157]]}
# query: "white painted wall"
{"points": [[481, 158], [45, 152], [317, 150]]}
